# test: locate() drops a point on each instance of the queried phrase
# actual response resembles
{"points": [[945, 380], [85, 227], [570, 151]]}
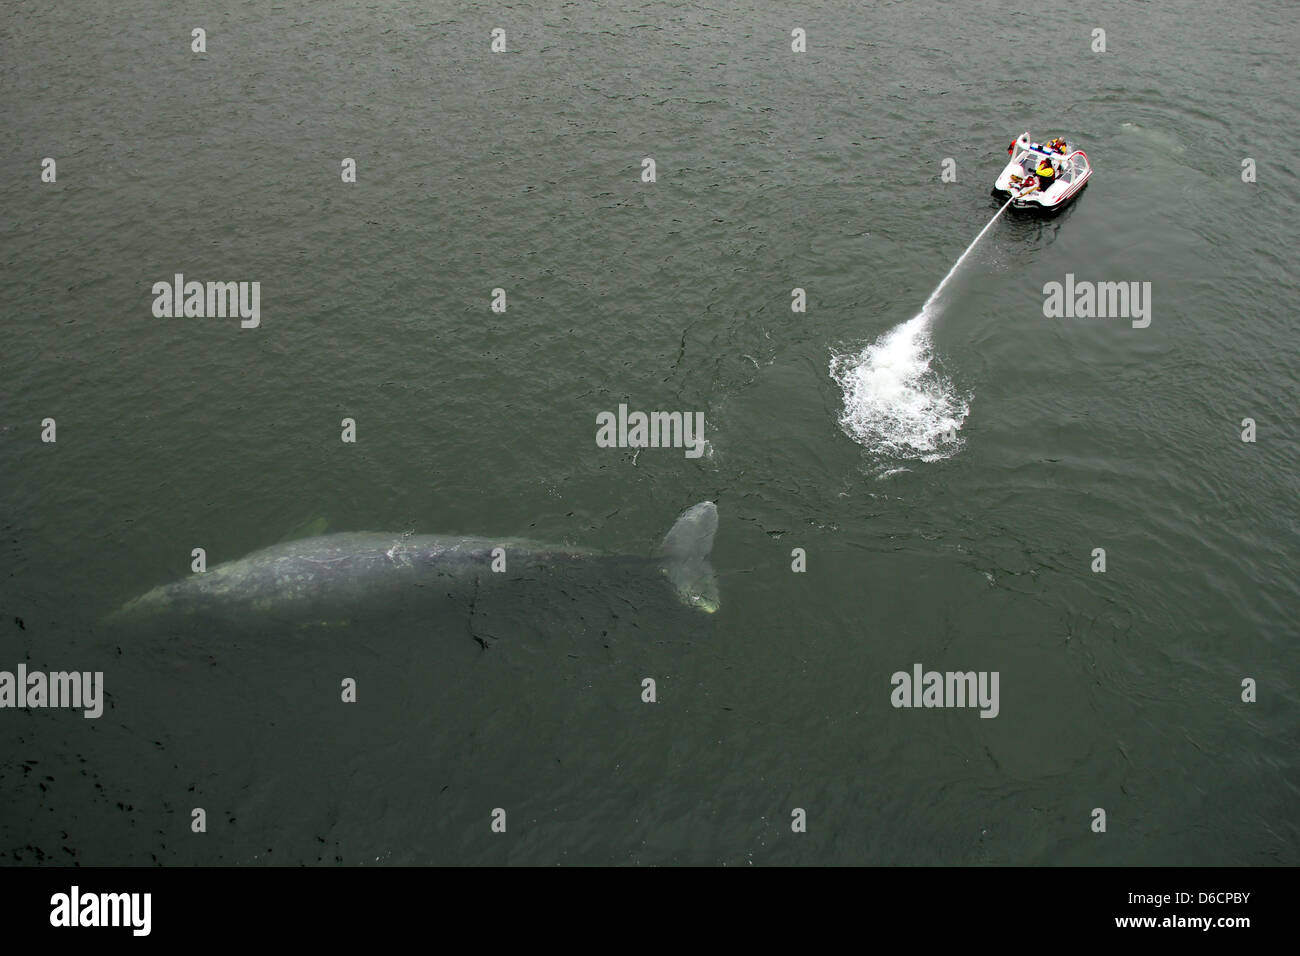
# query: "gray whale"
{"points": [[335, 574]]}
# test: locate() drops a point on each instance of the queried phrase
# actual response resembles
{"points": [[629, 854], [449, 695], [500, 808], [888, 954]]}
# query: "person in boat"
{"points": [[1046, 173], [1043, 178], [1057, 145]]}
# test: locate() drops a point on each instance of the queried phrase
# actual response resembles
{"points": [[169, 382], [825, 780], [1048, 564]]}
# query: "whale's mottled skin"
{"points": [[333, 573]]}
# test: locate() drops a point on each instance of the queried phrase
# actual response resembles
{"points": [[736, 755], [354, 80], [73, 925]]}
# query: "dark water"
{"points": [[961, 551]]}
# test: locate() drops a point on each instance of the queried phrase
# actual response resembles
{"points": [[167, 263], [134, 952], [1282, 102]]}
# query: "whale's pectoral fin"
{"points": [[684, 557]]}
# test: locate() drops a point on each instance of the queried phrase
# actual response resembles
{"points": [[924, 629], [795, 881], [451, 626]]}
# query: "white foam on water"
{"points": [[896, 403]]}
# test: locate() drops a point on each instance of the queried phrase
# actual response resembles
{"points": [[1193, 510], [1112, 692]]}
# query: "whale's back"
{"points": [[340, 576]]}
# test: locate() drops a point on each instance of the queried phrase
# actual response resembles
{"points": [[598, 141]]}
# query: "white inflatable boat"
{"points": [[1018, 178]]}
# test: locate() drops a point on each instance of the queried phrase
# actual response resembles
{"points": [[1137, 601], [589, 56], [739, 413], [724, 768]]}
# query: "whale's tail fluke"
{"points": [[684, 557]]}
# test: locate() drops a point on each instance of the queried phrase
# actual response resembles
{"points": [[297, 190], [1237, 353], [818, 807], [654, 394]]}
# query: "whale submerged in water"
{"points": [[336, 574]]}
